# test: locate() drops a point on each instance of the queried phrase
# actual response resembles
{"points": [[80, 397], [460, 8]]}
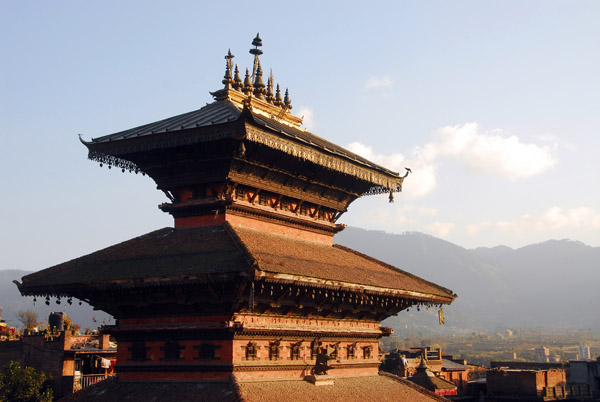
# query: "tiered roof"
{"points": [[224, 252]]}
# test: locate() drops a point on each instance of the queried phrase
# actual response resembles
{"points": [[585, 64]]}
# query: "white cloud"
{"points": [[423, 211], [475, 228], [440, 229], [492, 153], [423, 179], [374, 82], [308, 116], [487, 152], [554, 218]]}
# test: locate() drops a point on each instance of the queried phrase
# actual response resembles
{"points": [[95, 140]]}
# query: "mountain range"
{"points": [[554, 284]]}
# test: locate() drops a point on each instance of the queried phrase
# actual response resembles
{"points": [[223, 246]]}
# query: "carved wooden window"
{"points": [[251, 351], [335, 352], [367, 351], [351, 351], [262, 199], [314, 348], [303, 209], [206, 351], [172, 350], [274, 350], [138, 351], [240, 194], [283, 205], [295, 351]]}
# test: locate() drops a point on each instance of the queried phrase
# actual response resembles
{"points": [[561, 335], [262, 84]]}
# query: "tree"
{"points": [[24, 384], [28, 318]]}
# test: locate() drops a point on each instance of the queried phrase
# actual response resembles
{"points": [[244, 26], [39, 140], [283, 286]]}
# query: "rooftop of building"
{"points": [[192, 254], [382, 388]]}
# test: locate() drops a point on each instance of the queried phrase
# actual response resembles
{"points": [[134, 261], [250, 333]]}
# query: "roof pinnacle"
{"points": [[286, 100], [259, 85], [270, 97], [247, 84], [237, 79]]}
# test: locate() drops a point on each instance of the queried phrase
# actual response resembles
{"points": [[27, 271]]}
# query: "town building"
{"points": [[74, 361], [584, 352], [585, 375], [406, 363], [247, 289], [426, 379]]}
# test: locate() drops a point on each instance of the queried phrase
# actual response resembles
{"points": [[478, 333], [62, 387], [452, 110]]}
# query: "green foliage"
{"points": [[24, 384]]}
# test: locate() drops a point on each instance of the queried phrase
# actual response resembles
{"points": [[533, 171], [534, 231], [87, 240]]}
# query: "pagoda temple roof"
{"points": [[382, 388], [227, 111], [207, 253]]}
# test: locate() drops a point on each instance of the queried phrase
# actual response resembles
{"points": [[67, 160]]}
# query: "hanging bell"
{"points": [[391, 198]]}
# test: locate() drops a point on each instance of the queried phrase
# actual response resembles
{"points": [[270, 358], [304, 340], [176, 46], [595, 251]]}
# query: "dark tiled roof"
{"points": [[113, 390], [383, 388], [163, 253], [214, 113], [336, 263], [452, 365], [176, 253], [220, 112]]}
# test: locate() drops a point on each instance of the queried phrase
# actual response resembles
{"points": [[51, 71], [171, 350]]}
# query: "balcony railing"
{"points": [[84, 381]]}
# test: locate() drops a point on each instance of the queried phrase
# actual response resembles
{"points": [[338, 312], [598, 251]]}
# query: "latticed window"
{"points": [[314, 348], [303, 209], [206, 351], [351, 351], [295, 351], [333, 350], [251, 351], [138, 351], [367, 352], [240, 194], [274, 350], [172, 350], [262, 199]]}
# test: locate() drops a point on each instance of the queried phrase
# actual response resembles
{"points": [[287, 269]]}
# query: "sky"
{"points": [[494, 105]]}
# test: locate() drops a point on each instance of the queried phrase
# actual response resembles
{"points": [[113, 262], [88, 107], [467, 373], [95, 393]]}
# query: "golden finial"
{"points": [[256, 42], [237, 80], [227, 80], [259, 85], [247, 84], [278, 99], [229, 57], [270, 96], [286, 100]]}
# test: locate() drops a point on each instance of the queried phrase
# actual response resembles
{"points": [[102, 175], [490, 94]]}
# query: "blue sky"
{"points": [[494, 105]]}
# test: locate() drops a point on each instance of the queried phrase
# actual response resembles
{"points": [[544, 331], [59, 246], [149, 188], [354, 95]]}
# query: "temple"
{"points": [[247, 288]]}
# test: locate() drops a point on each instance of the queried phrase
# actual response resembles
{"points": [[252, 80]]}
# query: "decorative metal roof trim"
{"points": [[317, 157]]}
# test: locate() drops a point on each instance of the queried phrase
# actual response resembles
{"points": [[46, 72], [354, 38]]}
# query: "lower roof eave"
{"points": [[354, 287]]}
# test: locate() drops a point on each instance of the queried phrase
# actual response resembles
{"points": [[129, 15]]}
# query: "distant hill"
{"points": [[11, 301], [551, 284]]}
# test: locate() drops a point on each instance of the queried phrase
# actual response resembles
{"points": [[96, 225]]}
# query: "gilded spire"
{"points": [[229, 57], [270, 96], [247, 84], [256, 42], [228, 79], [259, 85], [237, 79], [286, 100], [278, 99]]}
